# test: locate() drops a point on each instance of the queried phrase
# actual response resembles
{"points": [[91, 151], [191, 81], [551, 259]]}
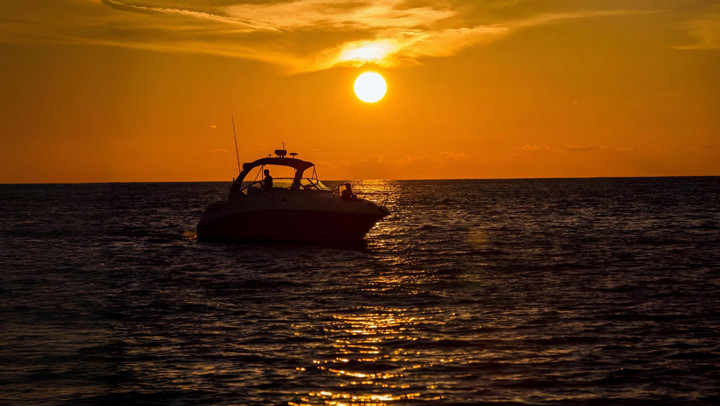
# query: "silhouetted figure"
{"points": [[268, 181], [347, 193]]}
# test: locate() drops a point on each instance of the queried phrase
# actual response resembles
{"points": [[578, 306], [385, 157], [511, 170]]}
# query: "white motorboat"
{"points": [[300, 208]]}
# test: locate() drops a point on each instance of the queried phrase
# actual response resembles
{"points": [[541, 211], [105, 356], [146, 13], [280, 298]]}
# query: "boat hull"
{"points": [[289, 216], [285, 225]]}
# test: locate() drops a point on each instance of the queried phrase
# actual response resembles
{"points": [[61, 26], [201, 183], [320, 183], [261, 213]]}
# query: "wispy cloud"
{"points": [[301, 35], [532, 148], [247, 25], [417, 166], [322, 14], [581, 148], [704, 30]]}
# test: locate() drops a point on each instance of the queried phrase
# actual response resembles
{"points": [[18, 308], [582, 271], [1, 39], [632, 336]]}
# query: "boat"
{"points": [[298, 208]]}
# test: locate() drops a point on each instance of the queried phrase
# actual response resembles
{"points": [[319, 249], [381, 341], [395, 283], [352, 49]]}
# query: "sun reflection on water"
{"points": [[380, 355], [383, 192], [367, 359]]}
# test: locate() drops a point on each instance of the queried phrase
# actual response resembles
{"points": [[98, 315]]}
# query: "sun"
{"points": [[370, 87]]}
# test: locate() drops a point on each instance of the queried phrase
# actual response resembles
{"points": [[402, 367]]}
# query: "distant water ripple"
{"points": [[527, 292]]}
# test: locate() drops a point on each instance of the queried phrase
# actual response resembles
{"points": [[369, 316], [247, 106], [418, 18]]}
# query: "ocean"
{"points": [[472, 292]]}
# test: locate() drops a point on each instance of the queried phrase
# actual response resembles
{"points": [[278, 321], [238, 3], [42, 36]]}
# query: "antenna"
{"points": [[237, 154], [281, 152]]}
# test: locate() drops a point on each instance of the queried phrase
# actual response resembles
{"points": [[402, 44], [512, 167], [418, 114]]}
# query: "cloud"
{"points": [[581, 148], [433, 160], [300, 35], [247, 25], [322, 14], [704, 30], [532, 148]]}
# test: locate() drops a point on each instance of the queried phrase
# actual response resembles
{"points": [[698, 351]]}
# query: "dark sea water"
{"points": [[522, 292]]}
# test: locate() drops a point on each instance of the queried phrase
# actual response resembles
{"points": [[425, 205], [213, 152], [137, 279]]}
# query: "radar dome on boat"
{"points": [[280, 152]]}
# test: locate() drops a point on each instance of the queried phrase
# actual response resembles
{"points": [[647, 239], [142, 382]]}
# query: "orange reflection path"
{"points": [[368, 362]]}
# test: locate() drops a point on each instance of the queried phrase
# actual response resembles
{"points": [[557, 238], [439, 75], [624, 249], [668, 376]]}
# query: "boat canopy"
{"points": [[298, 164]]}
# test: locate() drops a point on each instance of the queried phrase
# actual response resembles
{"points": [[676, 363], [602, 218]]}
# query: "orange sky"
{"points": [[129, 90]]}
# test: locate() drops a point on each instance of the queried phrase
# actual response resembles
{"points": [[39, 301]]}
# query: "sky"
{"points": [[146, 90]]}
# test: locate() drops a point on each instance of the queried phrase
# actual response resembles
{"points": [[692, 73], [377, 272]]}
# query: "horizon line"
{"points": [[365, 180]]}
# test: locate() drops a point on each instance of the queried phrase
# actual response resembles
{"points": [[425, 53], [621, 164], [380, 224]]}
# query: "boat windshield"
{"points": [[285, 183]]}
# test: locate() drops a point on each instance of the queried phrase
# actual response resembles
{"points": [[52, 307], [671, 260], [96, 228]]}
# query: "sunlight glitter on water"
{"points": [[346, 399], [372, 356]]}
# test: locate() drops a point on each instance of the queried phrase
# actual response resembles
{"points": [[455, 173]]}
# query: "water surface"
{"points": [[528, 292]]}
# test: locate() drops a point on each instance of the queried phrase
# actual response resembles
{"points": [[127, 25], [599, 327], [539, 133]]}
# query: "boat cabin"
{"points": [[303, 176]]}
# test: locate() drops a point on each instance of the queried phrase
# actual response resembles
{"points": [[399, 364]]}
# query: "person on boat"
{"points": [[347, 193], [268, 181]]}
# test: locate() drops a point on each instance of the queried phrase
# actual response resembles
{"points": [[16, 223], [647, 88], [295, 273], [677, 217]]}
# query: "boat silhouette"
{"points": [[300, 208]]}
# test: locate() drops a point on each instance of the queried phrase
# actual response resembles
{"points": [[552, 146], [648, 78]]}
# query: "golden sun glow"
{"points": [[370, 87], [494, 89], [359, 53]]}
